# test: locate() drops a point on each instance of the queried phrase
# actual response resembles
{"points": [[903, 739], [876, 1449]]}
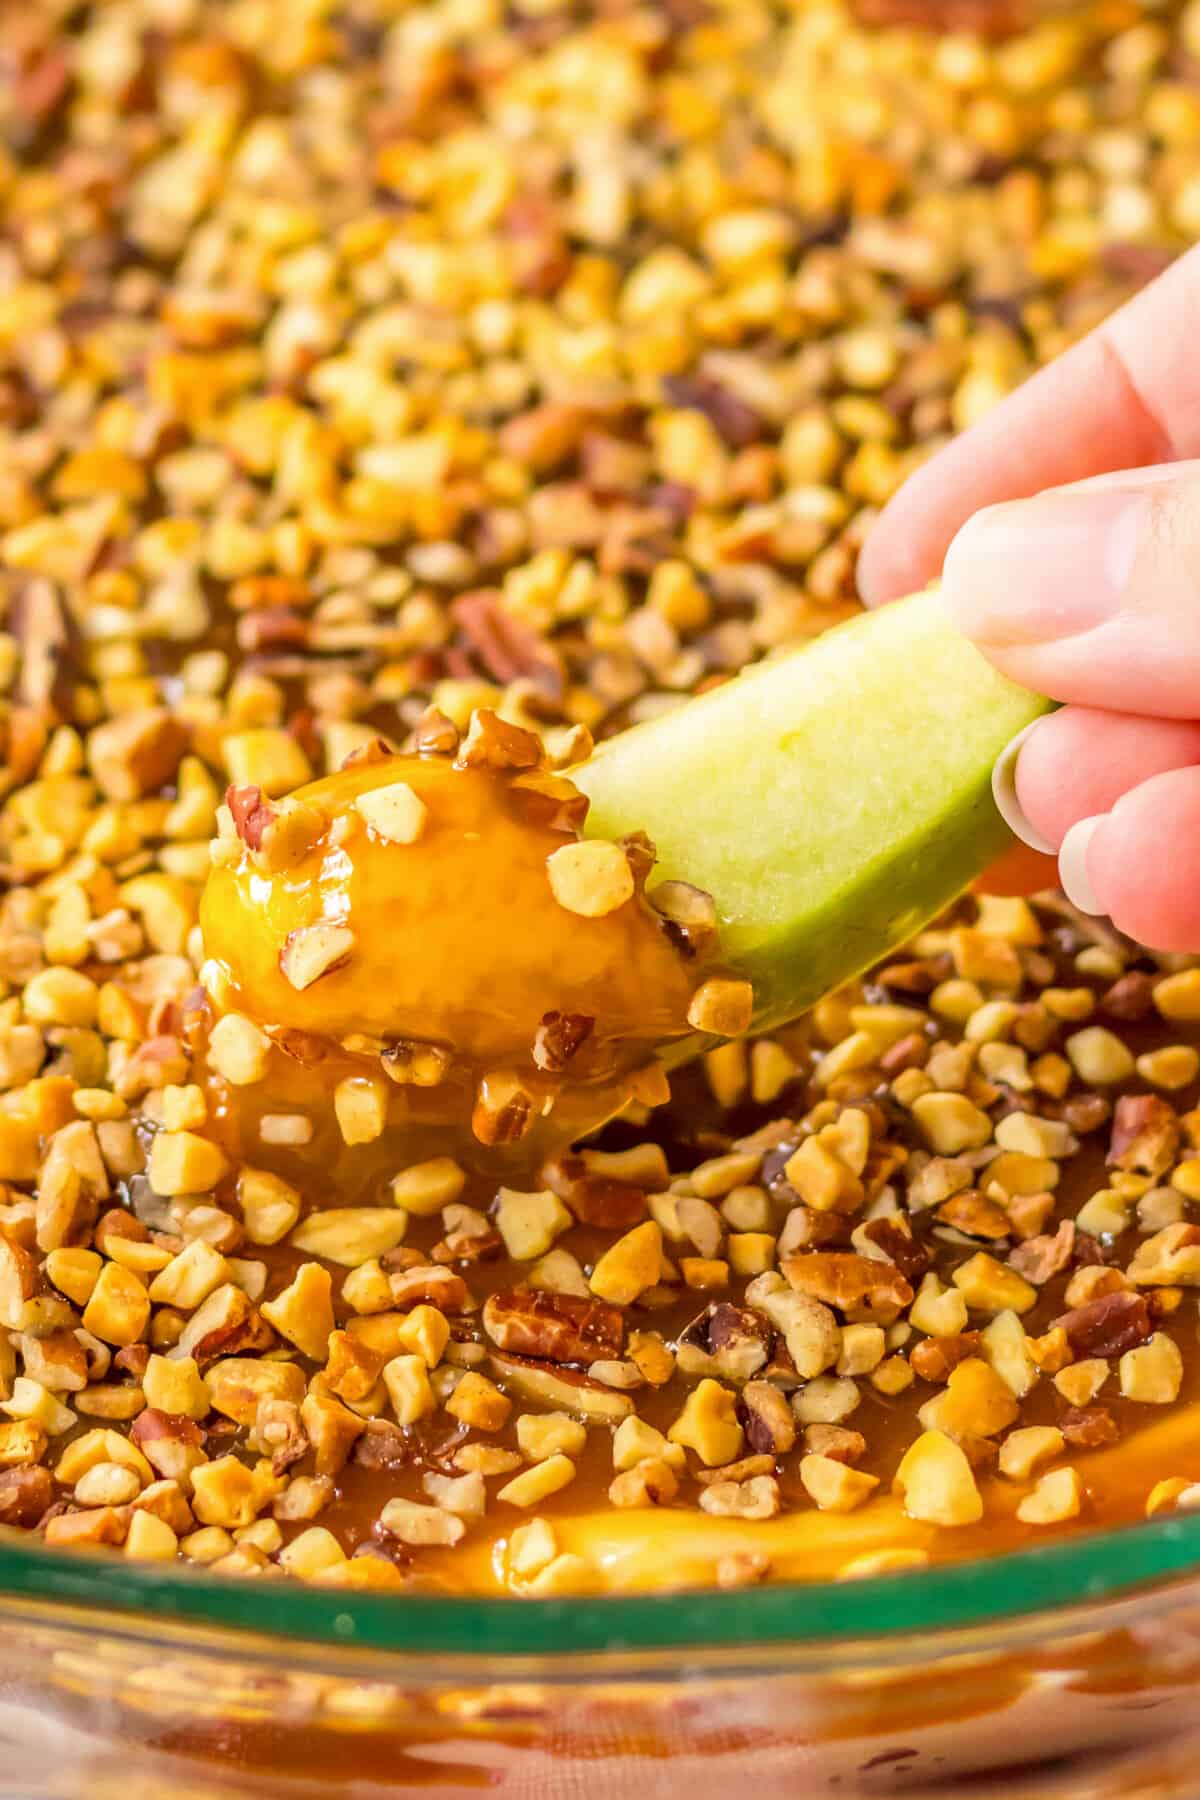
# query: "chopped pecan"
{"points": [[1086, 1112], [835, 1441], [315, 950], [772, 1171], [133, 1360], [1170, 1258], [975, 1216], [492, 743], [117, 1223], [1088, 1251], [594, 1199], [507, 648], [558, 1328], [226, 1324], [171, 1443], [39, 623], [410, 1062], [467, 1247], [1131, 996], [20, 1281], [504, 1109], [725, 1340], [23, 734], [152, 1424], [429, 1285], [279, 1432], [376, 750], [977, 18], [1038, 1258], [135, 753], [745, 1469], [435, 734], [558, 1037], [689, 916], [1087, 1427], [1145, 1135], [273, 628], [935, 1358], [767, 1419], [732, 1325], [39, 90], [641, 855], [911, 1052], [383, 1446], [1108, 1326], [915, 977], [157, 1063], [25, 1495], [894, 1237], [854, 1285], [938, 1180], [549, 801], [735, 421], [560, 1387]]}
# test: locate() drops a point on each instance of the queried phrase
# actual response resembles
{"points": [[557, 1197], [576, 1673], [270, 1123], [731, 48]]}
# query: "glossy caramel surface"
{"points": [[458, 938]]}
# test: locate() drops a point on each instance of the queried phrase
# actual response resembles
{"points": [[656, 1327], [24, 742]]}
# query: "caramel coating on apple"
{"points": [[408, 900]]}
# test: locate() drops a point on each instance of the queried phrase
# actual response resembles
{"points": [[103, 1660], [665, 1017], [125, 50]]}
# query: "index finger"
{"points": [[1127, 394]]}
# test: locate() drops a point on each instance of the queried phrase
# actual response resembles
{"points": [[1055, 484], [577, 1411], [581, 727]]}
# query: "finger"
{"points": [[1127, 394], [1019, 871], [1079, 762], [1140, 862], [1090, 593]]}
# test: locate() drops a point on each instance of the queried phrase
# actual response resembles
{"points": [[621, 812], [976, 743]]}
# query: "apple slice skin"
{"points": [[832, 801]]}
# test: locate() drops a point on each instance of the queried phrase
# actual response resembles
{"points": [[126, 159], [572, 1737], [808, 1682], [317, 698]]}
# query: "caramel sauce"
{"points": [[459, 944]]}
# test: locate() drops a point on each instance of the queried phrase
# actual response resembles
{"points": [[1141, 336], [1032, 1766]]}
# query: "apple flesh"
{"points": [[832, 800]]}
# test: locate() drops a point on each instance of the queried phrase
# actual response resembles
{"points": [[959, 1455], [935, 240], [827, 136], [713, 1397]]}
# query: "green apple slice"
{"points": [[832, 801]]}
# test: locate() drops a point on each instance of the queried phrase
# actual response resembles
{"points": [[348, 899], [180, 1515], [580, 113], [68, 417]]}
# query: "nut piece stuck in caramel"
{"points": [[445, 918]]}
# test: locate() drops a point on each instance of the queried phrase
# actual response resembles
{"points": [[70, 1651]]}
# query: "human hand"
{"points": [[1089, 592]]}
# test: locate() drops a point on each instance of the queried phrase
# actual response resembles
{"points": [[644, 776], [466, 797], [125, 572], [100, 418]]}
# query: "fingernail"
{"points": [[1004, 792], [1072, 864], [1030, 571]]}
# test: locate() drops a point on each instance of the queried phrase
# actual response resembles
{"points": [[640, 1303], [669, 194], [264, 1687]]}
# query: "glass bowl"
{"points": [[1067, 1670]]}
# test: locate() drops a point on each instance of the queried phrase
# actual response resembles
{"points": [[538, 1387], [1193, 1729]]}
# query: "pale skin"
{"points": [[1066, 525]]}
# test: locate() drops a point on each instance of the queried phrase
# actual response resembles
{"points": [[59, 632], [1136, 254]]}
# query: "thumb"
{"points": [[1090, 593]]}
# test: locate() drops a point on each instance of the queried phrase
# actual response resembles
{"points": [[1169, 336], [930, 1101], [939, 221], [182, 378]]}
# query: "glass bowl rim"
{"points": [[1046, 1583]]}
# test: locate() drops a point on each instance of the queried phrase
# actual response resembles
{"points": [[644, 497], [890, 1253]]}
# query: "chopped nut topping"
{"points": [[709, 1425], [1057, 1496], [313, 951], [833, 1486], [1024, 1451], [558, 1038], [1108, 1325], [554, 1327], [394, 813], [632, 1265], [721, 1007], [690, 916], [591, 878], [937, 1483], [504, 1109], [854, 1285]]}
